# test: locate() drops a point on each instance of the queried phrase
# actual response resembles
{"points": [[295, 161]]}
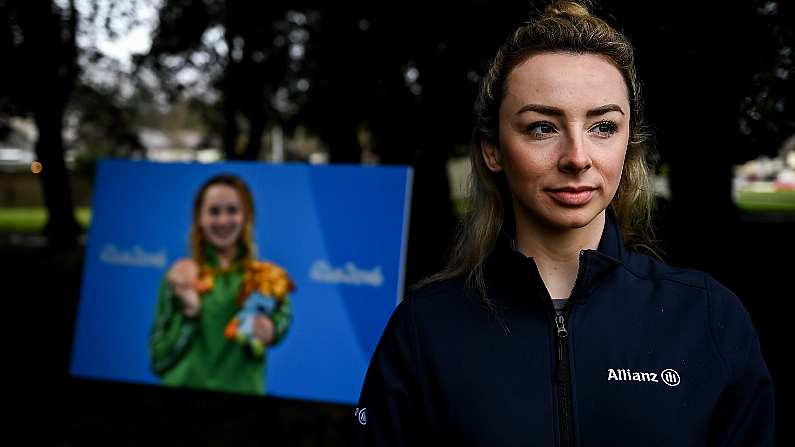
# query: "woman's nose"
{"points": [[224, 218], [574, 157]]}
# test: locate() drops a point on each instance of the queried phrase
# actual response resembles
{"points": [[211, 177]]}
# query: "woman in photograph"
{"points": [[549, 326], [219, 310]]}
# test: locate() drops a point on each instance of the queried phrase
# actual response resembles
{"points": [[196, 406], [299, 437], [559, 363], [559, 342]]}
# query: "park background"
{"points": [[355, 83]]}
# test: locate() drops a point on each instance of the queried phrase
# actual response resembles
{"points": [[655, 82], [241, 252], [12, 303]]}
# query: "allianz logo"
{"points": [[350, 274], [668, 376], [133, 257]]}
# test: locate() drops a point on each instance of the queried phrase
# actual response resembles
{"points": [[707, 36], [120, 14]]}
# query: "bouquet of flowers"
{"points": [[265, 286]]}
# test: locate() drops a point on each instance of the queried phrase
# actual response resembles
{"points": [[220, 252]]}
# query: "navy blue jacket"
{"points": [[647, 355]]}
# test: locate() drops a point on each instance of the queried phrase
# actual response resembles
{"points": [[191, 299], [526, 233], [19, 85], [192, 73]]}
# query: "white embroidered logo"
{"points": [[361, 415], [670, 377]]}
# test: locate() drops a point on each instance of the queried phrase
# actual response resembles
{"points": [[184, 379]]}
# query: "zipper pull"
{"points": [[561, 372], [560, 322]]}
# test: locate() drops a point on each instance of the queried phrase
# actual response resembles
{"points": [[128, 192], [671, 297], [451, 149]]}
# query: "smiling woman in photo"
{"points": [[549, 326], [219, 310]]}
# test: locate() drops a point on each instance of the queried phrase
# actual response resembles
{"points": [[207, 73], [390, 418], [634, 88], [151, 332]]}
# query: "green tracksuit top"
{"points": [[193, 352]]}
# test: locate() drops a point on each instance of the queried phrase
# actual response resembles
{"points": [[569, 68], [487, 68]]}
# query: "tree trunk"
{"points": [[230, 125], [61, 229], [49, 53], [343, 143], [256, 121]]}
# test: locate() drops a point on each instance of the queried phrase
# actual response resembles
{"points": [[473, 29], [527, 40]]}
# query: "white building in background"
{"points": [[179, 146], [187, 146], [17, 148], [765, 174], [786, 178]]}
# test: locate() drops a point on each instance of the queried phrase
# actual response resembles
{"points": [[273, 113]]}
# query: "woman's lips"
{"points": [[572, 196]]}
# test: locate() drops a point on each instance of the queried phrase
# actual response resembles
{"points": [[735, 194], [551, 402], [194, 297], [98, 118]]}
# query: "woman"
{"points": [[545, 329], [202, 298]]}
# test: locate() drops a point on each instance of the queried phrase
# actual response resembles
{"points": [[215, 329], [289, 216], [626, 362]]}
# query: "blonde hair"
{"points": [[564, 26], [246, 238]]}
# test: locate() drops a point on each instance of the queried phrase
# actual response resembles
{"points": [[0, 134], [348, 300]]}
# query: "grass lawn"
{"points": [[32, 220], [783, 201]]}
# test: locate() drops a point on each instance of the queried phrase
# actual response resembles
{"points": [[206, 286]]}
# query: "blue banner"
{"points": [[338, 231]]}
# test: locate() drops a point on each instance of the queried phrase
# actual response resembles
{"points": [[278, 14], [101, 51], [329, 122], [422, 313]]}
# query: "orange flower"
{"points": [[268, 279], [231, 329], [204, 283]]}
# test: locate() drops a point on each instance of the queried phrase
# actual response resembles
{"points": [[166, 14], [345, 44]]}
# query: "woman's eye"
{"points": [[605, 128], [215, 210], [232, 210], [540, 130]]}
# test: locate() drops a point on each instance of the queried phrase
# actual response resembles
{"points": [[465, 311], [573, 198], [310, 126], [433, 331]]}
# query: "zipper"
{"points": [[562, 364], [563, 379]]}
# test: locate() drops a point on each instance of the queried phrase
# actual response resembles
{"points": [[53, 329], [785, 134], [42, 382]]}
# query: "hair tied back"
{"points": [[566, 8]]}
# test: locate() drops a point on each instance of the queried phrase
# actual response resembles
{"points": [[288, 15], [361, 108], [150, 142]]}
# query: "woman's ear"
{"points": [[491, 155]]}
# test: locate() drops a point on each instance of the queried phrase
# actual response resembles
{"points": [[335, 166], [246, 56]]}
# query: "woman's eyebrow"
{"points": [[542, 109], [604, 109], [554, 111]]}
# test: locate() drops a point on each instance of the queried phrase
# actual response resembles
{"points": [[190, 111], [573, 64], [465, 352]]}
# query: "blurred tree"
{"points": [[106, 121], [246, 55], [767, 111], [38, 42]]}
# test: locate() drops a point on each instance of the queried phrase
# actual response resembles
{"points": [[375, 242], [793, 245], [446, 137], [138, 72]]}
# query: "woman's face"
{"points": [[221, 216], [564, 130]]}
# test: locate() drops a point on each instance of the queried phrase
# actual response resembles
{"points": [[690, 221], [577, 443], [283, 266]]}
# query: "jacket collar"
{"points": [[211, 257], [611, 245], [507, 264]]}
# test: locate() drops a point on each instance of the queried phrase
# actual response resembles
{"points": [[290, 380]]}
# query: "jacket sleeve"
{"points": [[745, 413], [387, 414], [171, 332], [282, 317]]}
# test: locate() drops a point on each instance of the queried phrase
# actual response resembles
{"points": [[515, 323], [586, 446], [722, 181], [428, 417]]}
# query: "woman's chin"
{"points": [[224, 244], [571, 219]]}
